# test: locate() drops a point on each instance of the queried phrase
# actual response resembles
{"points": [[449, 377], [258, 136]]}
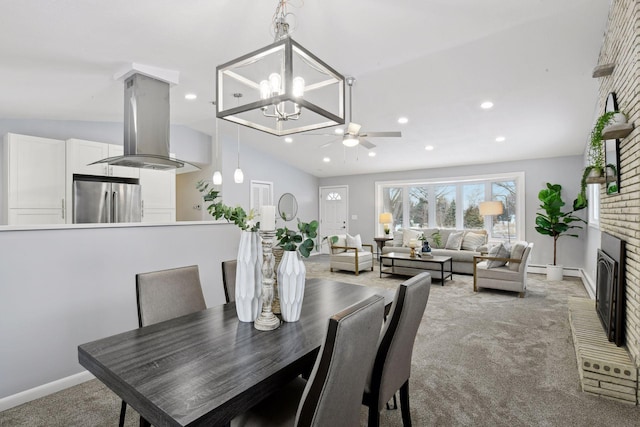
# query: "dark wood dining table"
{"points": [[207, 367]]}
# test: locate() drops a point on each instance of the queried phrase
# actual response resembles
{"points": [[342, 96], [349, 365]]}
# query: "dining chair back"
{"points": [[229, 279], [392, 366], [163, 295], [331, 396]]}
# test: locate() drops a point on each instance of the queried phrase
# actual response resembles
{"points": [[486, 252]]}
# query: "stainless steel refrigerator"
{"points": [[105, 200]]}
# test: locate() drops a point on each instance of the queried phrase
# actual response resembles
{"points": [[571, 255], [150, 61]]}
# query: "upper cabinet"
{"points": [[33, 180], [80, 153]]}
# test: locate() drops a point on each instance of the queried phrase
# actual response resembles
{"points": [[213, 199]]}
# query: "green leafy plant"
{"points": [[552, 221], [218, 210], [437, 238], [596, 164], [300, 239]]}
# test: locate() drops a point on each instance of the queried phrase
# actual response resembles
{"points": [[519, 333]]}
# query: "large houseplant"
{"points": [[291, 271], [248, 297], [552, 221]]}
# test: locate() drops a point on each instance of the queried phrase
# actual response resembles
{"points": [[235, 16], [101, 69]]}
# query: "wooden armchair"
{"points": [[509, 277], [343, 257]]}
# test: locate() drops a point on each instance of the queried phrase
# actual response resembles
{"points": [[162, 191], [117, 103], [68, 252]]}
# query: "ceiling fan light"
{"points": [[350, 141]]}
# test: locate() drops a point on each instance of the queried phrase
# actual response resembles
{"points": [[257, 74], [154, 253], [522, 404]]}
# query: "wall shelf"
{"points": [[603, 70], [617, 131]]}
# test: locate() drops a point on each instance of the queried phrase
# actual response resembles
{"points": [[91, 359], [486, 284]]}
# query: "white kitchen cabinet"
{"points": [[33, 180], [158, 190], [80, 153]]}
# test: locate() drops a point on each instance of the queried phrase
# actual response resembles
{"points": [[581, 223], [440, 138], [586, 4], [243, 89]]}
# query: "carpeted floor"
{"points": [[482, 359]]}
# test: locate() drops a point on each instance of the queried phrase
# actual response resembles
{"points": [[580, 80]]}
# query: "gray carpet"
{"points": [[482, 359]]}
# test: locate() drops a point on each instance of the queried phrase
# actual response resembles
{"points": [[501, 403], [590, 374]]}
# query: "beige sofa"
{"points": [[471, 245]]}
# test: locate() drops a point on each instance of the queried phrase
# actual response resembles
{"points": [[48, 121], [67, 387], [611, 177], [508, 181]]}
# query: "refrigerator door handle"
{"points": [[106, 211], [115, 207]]}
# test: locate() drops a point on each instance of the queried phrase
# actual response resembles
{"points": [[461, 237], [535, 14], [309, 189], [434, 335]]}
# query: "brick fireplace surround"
{"points": [[604, 368]]}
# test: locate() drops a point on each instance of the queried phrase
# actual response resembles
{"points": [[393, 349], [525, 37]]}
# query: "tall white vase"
{"points": [[291, 277], [249, 277]]}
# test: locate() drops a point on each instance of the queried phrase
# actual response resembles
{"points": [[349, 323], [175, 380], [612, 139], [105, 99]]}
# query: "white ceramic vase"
{"points": [[554, 272], [291, 277], [249, 277]]}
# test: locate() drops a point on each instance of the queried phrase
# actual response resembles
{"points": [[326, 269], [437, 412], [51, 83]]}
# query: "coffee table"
{"points": [[418, 263]]}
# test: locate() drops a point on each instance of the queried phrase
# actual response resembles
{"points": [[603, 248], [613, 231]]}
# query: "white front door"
{"points": [[333, 212]]}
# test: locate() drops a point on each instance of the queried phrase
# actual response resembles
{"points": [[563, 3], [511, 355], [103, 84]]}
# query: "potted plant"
{"points": [[594, 172], [552, 221], [248, 295], [291, 271]]}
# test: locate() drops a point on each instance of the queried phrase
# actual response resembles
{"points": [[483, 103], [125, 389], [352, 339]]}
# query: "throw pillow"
{"points": [[407, 235], [355, 242], [397, 238], [498, 251], [454, 241], [516, 253], [473, 240]]}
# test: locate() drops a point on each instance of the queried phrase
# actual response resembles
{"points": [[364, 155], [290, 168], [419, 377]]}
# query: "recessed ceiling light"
{"points": [[190, 96], [403, 120], [500, 139], [339, 131], [486, 105], [326, 160], [429, 147], [288, 140], [372, 153]]}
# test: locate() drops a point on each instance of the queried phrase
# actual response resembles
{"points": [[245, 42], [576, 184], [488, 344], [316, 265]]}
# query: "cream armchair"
{"points": [[343, 257], [509, 277]]}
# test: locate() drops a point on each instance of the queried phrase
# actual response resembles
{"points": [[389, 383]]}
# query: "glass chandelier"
{"points": [[286, 88]]}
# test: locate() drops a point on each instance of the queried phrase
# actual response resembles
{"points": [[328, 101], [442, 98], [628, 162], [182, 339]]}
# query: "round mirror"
{"points": [[287, 206]]}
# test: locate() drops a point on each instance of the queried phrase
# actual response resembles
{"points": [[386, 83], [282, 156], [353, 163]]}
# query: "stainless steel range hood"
{"points": [[146, 126]]}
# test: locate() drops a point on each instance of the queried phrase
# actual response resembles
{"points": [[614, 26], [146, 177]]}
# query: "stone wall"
{"points": [[620, 213]]}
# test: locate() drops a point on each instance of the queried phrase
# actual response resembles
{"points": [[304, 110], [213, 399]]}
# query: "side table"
{"points": [[380, 241]]}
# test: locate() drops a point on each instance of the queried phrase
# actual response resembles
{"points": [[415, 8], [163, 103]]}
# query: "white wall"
{"points": [[563, 170], [63, 287]]}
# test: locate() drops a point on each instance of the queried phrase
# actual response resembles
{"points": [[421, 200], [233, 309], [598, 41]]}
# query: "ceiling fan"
{"points": [[352, 135]]}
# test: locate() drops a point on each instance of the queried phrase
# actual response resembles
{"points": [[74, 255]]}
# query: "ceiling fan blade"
{"points": [[353, 128], [318, 134], [326, 144], [367, 144], [382, 134]]}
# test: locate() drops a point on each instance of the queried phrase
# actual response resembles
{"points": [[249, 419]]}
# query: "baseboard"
{"points": [[589, 286], [44, 390], [542, 269]]}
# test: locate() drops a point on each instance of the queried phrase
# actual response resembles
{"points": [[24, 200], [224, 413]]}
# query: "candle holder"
{"points": [[267, 321]]}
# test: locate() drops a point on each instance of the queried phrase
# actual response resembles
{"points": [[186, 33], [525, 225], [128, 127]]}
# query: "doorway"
{"points": [[334, 202]]}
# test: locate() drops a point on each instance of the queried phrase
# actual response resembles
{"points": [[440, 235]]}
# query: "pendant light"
{"points": [[238, 176], [217, 175]]}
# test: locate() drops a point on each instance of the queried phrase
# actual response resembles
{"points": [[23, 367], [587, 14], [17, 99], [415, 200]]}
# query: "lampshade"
{"points": [[385, 218], [491, 208]]}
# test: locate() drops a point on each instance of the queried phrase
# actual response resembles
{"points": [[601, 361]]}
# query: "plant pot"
{"points": [[554, 272], [595, 177], [249, 277], [291, 277]]}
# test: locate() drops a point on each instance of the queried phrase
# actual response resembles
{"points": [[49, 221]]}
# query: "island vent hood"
{"points": [[146, 126]]}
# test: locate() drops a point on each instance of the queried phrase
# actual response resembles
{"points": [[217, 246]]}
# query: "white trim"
{"points": [[589, 286], [44, 390], [542, 269]]}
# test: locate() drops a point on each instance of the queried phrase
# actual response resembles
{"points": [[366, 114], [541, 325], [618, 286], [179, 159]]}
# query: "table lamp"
{"points": [[385, 219], [492, 208]]}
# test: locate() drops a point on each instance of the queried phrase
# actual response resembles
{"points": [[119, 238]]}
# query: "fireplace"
{"points": [[610, 284]]}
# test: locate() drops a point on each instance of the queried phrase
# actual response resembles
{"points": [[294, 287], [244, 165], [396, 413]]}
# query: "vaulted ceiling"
{"points": [[432, 61]]}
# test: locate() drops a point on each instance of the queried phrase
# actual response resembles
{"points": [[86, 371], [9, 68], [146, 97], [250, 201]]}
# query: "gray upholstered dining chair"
{"points": [[392, 364], [166, 294], [229, 279], [331, 396]]}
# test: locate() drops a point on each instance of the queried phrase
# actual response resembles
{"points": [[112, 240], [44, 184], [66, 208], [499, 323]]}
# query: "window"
{"points": [[454, 203], [334, 196]]}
